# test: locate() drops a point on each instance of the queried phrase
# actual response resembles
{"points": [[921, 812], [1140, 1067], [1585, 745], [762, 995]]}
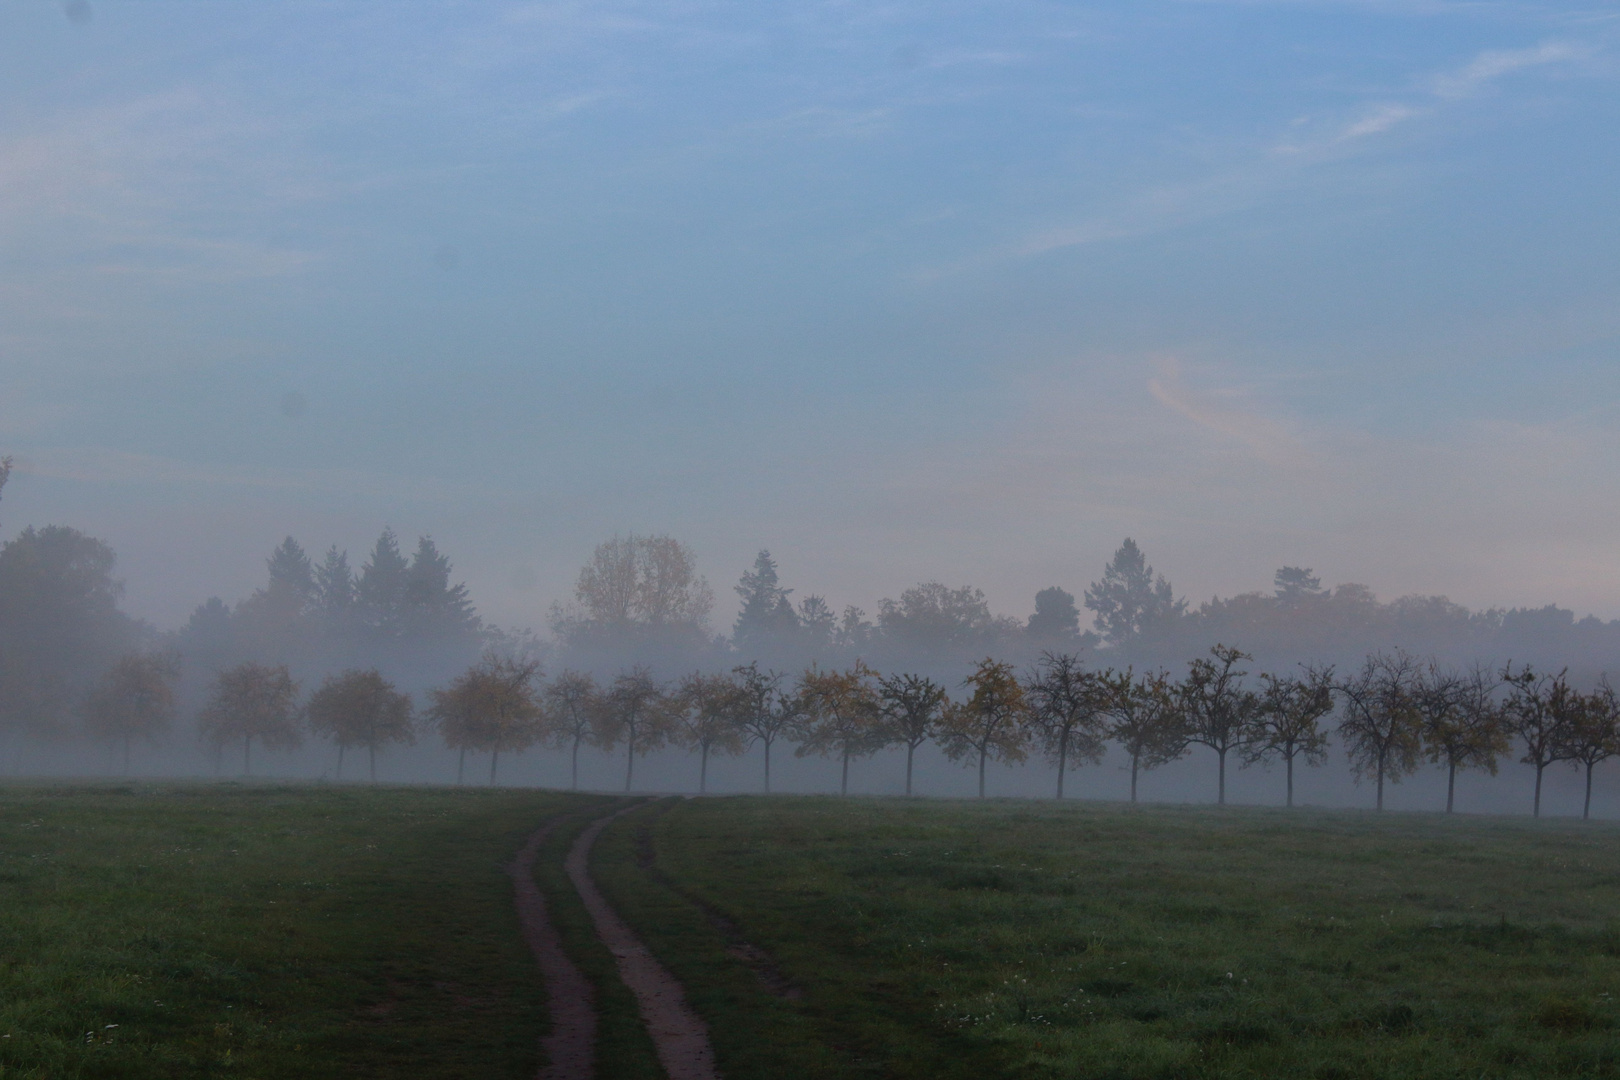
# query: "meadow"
{"points": [[263, 931], [277, 931], [1109, 941]]}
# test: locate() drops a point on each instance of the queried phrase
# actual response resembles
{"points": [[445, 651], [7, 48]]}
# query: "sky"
{"points": [[900, 291]]}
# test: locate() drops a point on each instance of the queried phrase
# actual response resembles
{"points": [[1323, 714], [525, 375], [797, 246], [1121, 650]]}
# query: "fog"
{"points": [[340, 337]]}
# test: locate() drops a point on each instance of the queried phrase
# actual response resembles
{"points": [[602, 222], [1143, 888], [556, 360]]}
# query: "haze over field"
{"points": [[962, 292]]}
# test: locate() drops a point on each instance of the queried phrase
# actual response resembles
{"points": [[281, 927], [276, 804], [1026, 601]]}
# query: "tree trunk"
{"points": [[247, 755], [1380, 783], [1586, 809], [911, 751], [1220, 796], [981, 772], [1451, 785], [767, 766], [573, 782], [629, 761], [1537, 812], [843, 781], [461, 765], [1133, 777], [703, 772], [494, 760], [371, 752], [1290, 760], [1063, 760]]}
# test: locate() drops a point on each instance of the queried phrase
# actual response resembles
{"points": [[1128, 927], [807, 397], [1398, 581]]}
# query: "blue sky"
{"points": [[965, 291]]}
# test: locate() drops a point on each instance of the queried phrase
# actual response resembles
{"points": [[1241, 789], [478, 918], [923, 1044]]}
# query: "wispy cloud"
{"points": [[1224, 414], [149, 185], [1495, 63], [1285, 163]]}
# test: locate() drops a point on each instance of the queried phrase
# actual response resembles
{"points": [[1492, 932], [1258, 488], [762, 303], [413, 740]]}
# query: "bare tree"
{"points": [[1541, 710], [703, 710], [1145, 720], [913, 708], [1380, 727], [1217, 711], [361, 708], [490, 707], [1068, 712], [1594, 736], [572, 704], [990, 723], [634, 712], [842, 716], [763, 712], [1288, 722], [252, 701], [1463, 726], [133, 700]]}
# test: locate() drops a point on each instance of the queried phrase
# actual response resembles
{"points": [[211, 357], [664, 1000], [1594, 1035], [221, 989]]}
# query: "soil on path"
{"points": [[570, 1049], [679, 1034]]}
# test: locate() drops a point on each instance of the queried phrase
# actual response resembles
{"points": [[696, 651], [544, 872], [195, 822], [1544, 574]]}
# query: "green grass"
{"points": [[1021, 940], [264, 931]]}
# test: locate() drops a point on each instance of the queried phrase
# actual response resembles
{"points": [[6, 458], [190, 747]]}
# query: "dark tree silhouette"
{"points": [[491, 707], [703, 707], [361, 708], [1594, 735], [1293, 584], [1462, 724], [60, 627], [767, 615], [913, 709], [841, 715], [133, 700], [636, 713], [1056, 617], [1541, 710], [1130, 599], [1217, 710], [1287, 723], [762, 711], [252, 701], [1381, 727], [990, 723], [1145, 720], [1067, 712], [572, 705]]}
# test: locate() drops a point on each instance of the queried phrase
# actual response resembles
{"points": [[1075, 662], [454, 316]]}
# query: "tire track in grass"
{"points": [[764, 966], [570, 1048], [679, 1034]]}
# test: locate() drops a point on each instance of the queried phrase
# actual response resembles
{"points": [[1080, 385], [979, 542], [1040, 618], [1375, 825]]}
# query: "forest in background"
{"points": [[640, 602]]}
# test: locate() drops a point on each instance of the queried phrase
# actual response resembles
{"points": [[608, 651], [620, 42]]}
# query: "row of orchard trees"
{"points": [[1391, 714]]}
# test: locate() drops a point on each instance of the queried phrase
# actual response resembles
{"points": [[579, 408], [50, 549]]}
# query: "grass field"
{"points": [[262, 931], [1027, 940], [279, 931]]}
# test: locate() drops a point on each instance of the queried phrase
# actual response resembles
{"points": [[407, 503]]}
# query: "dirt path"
{"points": [[678, 1033], [570, 1049]]}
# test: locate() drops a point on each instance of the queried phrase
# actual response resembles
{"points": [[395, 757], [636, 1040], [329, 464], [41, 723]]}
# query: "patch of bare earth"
{"points": [[570, 1048], [679, 1034]]}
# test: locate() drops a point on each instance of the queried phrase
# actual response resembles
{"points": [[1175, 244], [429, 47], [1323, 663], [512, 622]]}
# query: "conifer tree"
{"points": [[767, 615]]}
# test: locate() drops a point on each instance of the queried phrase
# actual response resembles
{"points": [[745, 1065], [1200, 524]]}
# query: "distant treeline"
{"points": [[640, 603]]}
